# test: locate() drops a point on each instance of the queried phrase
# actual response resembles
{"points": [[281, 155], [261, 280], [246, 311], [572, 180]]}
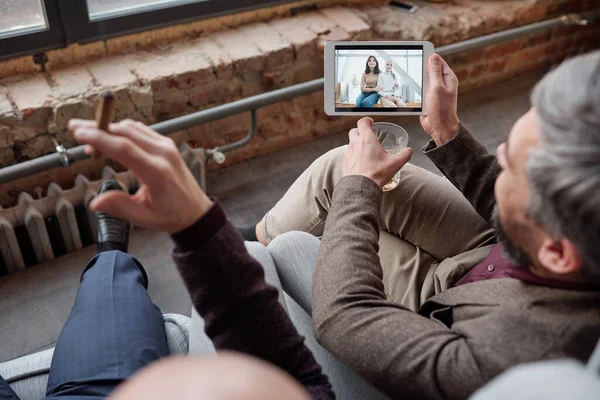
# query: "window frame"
{"points": [[79, 28], [53, 37], [69, 23]]}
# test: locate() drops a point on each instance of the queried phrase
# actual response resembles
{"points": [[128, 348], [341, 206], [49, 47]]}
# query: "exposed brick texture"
{"points": [[303, 40], [276, 49], [220, 59], [7, 112], [219, 67], [111, 75], [6, 138], [7, 156], [349, 22], [71, 82], [32, 97]]}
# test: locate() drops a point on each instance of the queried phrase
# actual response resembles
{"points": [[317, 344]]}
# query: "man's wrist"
{"points": [[204, 205], [201, 230], [194, 214], [443, 135]]}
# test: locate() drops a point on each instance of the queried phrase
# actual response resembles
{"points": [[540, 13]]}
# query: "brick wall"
{"points": [[218, 67], [506, 60]]}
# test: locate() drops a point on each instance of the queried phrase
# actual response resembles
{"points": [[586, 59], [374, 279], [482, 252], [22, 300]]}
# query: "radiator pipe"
{"points": [[253, 103]]}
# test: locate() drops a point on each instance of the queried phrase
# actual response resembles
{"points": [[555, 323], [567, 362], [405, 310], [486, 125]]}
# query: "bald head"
{"points": [[225, 377]]}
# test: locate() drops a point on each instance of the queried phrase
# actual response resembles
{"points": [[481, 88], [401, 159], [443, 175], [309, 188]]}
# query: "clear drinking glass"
{"points": [[393, 139]]}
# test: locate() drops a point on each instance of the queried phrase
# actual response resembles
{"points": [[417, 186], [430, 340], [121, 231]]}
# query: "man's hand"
{"points": [[441, 122], [366, 157], [169, 198]]}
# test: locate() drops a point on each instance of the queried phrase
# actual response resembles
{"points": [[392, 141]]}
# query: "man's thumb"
{"points": [[435, 70]]}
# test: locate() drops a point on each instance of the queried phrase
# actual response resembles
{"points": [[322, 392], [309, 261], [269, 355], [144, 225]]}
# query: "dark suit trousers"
{"points": [[113, 331]]}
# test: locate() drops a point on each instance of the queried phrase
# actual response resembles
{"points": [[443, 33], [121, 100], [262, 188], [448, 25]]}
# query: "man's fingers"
{"points": [[450, 78], [81, 123], [365, 128], [150, 132], [140, 127], [119, 205], [401, 158], [120, 149], [146, 139], [353, 134], [365, 123]]}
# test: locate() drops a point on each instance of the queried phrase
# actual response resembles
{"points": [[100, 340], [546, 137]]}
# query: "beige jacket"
{"points": [[368, 82], [461, 338]]}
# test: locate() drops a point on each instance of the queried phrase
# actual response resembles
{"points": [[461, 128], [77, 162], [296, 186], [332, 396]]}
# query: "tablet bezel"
{"points": [[329, 89]]}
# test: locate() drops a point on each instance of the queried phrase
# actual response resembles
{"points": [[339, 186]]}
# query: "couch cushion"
{"points": [[28, 375], [177, 328]]}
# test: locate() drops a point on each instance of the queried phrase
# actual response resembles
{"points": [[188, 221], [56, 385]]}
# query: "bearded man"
{"points": [[428, 291]]}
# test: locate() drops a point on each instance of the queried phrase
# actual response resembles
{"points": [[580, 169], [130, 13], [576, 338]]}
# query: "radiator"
{"points": [[37, 230]]}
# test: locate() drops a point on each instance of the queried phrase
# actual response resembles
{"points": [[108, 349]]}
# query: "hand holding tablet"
{"points": [[396, 78]]}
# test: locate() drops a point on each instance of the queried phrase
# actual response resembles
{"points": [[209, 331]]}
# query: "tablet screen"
{"points": [[378, 78]]}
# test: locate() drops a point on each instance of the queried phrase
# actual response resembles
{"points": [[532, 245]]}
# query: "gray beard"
{"points": [[512, 251]]}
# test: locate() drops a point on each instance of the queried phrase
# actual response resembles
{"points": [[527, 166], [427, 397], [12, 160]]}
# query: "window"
{"points": [[21, 16], [29, 26], [34, 26], [99, 9]]}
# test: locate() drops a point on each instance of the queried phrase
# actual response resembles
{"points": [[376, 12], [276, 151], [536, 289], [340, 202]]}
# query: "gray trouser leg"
{"points": [[295, 256], [113, 331]]}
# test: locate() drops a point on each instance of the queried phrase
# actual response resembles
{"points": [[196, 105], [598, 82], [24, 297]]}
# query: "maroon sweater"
{"points": [[240, 309]]}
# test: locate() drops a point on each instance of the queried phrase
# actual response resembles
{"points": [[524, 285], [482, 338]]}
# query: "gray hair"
{"points": [[564, 172]]}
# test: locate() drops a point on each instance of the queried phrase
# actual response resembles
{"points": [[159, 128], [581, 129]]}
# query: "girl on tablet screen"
{"points": [[368, 84], [389, 92]]}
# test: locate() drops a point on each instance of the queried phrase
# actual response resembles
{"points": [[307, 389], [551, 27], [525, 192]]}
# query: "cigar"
{"points": [[105, 112]]}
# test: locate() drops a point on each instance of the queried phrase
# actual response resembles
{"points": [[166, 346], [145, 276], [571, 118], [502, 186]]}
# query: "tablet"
{"points": [[384, 78]]}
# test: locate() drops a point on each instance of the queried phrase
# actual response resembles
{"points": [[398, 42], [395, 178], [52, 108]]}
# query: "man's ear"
{"points": [[559, 256]]}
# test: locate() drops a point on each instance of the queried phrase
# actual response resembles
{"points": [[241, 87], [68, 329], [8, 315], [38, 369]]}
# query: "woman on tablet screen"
{"points": [[389, 87], [368, 84]]}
